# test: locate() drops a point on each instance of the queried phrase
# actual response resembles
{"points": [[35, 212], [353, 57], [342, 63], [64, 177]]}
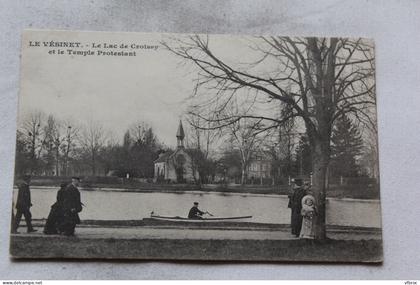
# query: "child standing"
{"points": [[308, 212]]}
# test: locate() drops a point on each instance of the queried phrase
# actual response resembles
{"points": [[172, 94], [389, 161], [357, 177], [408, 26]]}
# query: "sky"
{"points": [[118, 92]]}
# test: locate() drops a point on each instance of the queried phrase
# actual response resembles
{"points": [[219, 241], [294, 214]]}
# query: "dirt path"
{"points": [[201, 234]]}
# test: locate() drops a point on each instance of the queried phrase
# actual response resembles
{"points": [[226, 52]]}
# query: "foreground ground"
{"points": [[165, 242]]}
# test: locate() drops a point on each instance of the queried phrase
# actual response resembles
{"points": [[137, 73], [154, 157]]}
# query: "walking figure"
{"points": [[23, 205], [72, 206], [56, 215]]}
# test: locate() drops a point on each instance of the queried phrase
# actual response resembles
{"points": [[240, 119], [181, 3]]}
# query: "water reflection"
{"points": [[106, 205]]}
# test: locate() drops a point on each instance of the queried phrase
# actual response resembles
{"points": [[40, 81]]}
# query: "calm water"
{"points": [[107, 205]]}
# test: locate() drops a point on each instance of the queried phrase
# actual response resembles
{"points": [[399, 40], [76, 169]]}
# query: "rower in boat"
{"points": [[195, 213]]}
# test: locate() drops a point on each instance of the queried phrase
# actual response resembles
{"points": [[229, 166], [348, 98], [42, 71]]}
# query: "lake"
{"points": [[114, 205]]}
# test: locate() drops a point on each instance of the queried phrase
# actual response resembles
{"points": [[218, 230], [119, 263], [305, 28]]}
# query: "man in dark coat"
{"points": [[295, 203], [72, 206], [23, 205], [195, 213]]}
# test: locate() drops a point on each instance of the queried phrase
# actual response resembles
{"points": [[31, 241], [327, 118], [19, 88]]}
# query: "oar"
{"points": [[209, 213]]}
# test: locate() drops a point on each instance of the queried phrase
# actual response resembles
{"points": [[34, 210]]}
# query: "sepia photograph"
{"points": [[196, 147]]}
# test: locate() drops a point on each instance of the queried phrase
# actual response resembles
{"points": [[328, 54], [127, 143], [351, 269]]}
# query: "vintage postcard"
{"points": [[196, 147]]}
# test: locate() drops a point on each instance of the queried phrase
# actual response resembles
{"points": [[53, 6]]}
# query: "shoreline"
{"points": [[252, 226], [197, 192]]}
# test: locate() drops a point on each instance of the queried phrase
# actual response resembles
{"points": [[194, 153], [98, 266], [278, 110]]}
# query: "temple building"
{"points": [[175, 166]]}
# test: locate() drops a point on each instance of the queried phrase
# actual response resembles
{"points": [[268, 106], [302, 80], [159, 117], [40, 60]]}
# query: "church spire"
{"points": [[180, 135]]}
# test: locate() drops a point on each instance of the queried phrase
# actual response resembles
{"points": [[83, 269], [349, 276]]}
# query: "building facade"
{"points": [[175, 166], [259, 168]]}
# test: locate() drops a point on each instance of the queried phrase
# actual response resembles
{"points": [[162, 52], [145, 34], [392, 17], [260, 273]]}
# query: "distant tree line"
{"points": [[287, 150], [136, 155], [46, 145]]}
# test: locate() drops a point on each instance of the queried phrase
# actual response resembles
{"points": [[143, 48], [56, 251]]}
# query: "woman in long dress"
{"points": [[56, 215], [308, 212]]}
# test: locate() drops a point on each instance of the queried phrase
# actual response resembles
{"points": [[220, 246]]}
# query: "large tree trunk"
{"points": [[321, 157], [322, 89]]}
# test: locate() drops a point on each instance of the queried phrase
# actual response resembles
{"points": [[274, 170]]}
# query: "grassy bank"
{"points": [[220, 250]]}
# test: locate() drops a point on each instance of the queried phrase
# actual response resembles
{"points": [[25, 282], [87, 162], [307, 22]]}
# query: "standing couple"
{"points": [[302, 203], [64, 214]]}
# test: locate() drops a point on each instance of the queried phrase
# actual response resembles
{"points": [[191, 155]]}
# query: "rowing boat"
{"points": [[182, 219]]}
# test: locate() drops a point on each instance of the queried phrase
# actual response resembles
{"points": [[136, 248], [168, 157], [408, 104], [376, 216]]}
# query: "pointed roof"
{"points": [[180, 133], [163, 157]]}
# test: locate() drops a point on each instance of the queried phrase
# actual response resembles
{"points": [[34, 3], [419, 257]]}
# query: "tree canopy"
{"points": [[315, 80]]}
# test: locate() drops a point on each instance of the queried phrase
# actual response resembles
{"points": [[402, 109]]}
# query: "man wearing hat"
{"points": [[72, 206], [295, 203], [23, 205], [195, 213]]}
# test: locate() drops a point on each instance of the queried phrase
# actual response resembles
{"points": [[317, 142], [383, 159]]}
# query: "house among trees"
{"points": [[259, 169], [175, 166]]}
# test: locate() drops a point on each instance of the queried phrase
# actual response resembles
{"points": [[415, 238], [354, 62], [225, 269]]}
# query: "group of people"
{"points": [[64, 213], [302, 204]]}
